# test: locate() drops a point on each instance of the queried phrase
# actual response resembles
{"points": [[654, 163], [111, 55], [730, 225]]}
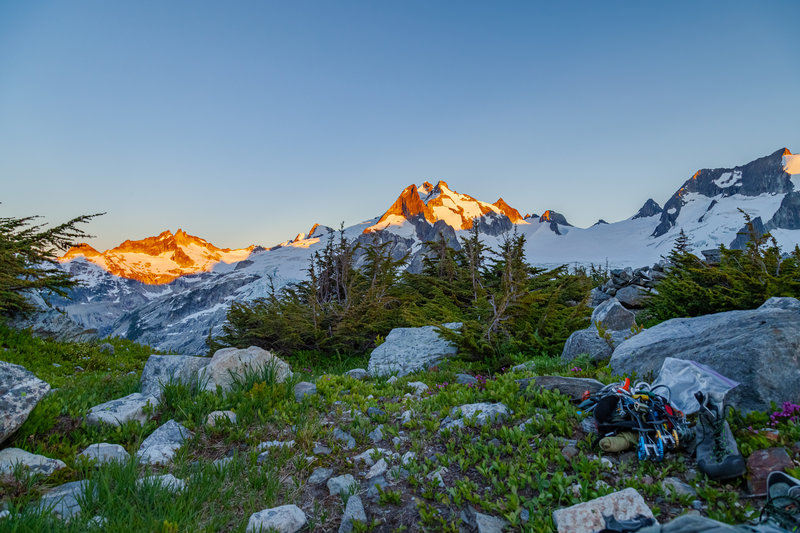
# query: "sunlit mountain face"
{"points": [[160, 259]]}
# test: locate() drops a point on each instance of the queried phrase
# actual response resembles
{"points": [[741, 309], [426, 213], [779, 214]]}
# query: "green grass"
{"points": [[501, 469]]}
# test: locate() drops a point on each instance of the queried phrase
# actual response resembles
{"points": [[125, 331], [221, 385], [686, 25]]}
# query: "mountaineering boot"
{"points": [[718, 456]]}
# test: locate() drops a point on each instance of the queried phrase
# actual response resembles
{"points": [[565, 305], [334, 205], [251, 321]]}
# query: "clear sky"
{"points": [[246, 122]]}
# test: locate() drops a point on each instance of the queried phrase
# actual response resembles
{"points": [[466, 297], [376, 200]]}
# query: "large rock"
{"points": [[118, 412], [408, 350], [283, 519], [38, 464], [160, 447], [632, 296], [588, 341], [229, 364], [611, 315], [759, 348], [161, 369], [20, 391], [587, 517]]}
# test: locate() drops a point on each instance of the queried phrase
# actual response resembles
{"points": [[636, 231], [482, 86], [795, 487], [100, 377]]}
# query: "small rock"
{"points": [[490, 524], [569, 452], [761, 463], [98, 522], [408, 457], [342, 484], [120, 411], [392, 380], [353, 512], [320, 449], [160, 447], [5, 513], [397, 473], [320, 475], [268, 445], [64, 499], [678, 487], [38, 464], [418, 386], [466, 379], [284, 519], [378, 469], [357, 373], [56, 365], [222, 462], [346, 438], [376, 411], [406, 417], [104, 452], [166, 481], [436, 475], [303, 389], [211, 419], [589, 425], [373, 484], [376, 435], [106, 348]]}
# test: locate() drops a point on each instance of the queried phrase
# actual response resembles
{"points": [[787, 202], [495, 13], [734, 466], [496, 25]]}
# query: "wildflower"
{"points": [[576, 369]]}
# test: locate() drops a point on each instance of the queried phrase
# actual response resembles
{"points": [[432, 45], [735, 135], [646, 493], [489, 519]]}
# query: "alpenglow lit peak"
{"points": [[791, 165], [159, 259], [435, 203]]}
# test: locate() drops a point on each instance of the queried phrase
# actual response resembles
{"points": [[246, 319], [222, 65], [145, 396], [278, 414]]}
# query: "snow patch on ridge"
{"points": [[729, 179]]}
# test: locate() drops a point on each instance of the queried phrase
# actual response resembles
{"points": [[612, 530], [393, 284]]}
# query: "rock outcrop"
{"points": [[231, 364], [407, 350], [759, 348]]}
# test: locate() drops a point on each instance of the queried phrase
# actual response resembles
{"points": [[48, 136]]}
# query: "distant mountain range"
{"points": [[169, 291]]}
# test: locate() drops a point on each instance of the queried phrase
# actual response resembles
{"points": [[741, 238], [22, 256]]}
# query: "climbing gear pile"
{"points": [[638, 414]]}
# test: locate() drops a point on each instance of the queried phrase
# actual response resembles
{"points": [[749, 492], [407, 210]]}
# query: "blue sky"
{"points": [[246, 122]]}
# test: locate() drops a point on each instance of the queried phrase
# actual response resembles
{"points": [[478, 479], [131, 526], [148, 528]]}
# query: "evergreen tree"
{"points": [[28, 260]]}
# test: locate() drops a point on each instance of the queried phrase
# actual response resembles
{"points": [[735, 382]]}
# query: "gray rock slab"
{"points": [[215, 417], [408, 350], [104, 452], [122, 410], [632, 296], [378, 469], [483, 412], [165, 481], [588, 341], [36, 464], [161, 369], [611, 315], [587, 517], [572, 387], [353, 512], [229, 364], [759, 348], [320, 475], [466, 379], [303, 389], [342, 484], [345, 438], [64, 499], [283, 519], [160, 447], [20, 391]]}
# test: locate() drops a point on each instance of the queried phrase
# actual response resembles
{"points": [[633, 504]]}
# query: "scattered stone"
{"points": [[569, 452], [63, 500], [376, 435], [589, 425], [160, 447], [357, 373], [490, 524], [373, 484], [569, 386], [4, 513], [752, 347], [106, 348], [345, 438], [418, 386], [230, 364], [392, 380], [268, 445], [483, 413], [342, 484], [104, 452], [677, 487], [320, 475], [56, 365], [320, 449], [211, 419], [406, 417], [284, 519], [466, 379], [436, 475], [397, 473], [20, 391], [98, 522], [761, 463], [162, 369], [407, 350], [632, 296], [378, 469], [353, 512], [166, 481], [120, 411], [222, 462], [38, 464], [303, 389], [587, 517], [611, 315]]}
